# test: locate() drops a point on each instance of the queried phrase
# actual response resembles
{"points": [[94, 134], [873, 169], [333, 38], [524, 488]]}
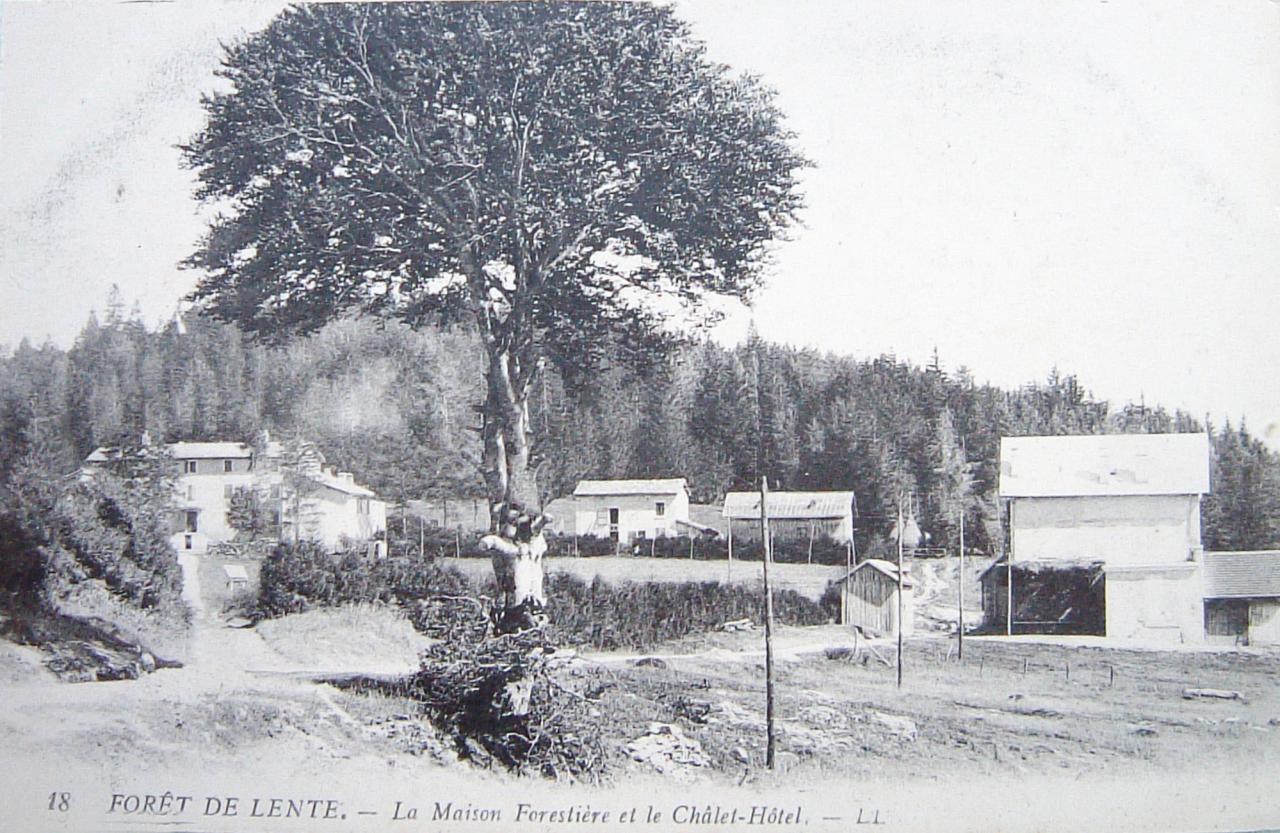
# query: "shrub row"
{"points": [[603, 615], [638, 616], [444, 543]]}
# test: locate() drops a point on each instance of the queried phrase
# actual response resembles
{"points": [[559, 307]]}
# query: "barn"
{"points": [[796, 519], [1127, 502], [1242, 597], [870, 598]]}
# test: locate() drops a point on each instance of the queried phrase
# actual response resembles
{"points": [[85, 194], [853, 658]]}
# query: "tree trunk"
{"points": [[515, 540]]}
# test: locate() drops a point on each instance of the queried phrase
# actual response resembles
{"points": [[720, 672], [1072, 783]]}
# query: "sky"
{"points": [[1091, 186]]}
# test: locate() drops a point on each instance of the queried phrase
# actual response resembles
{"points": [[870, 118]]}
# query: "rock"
{"points": [[903, 727], [738, 625], [741, 755], [667, 750], [649, 662], [823, 716], [1211, 693], [147, 662]]}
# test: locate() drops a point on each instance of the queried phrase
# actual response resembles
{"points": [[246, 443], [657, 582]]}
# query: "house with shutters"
{"points": [[632, 510], [298, 496]]}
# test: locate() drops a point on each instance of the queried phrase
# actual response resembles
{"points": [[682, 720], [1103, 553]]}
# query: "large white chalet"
{"points": [[298, 495]]}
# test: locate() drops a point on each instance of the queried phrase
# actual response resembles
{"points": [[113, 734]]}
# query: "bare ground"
{"points": [[1012, 708]]}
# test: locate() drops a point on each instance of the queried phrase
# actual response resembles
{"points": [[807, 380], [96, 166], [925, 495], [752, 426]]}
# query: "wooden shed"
{"points": [[1242, 597], [871, 598]]}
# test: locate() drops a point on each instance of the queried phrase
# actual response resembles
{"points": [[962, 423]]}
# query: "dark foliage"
{"points": [[299, 576], [641, 615]]}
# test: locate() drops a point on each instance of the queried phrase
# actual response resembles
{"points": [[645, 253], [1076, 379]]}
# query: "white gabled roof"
{"points": [[887, 568], [607, 488], [789, 505], [1108, 464], [207, 451]]}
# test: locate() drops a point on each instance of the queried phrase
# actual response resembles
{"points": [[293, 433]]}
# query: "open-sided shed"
{"points": [[793, 516]]}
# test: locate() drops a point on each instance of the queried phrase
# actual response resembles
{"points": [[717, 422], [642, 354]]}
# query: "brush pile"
{"points": [[516, 702]]}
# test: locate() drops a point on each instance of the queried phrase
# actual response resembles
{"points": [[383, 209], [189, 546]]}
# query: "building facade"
{"points": [[1242, 597], [294, 495], [631, 510], [1129, 502]]}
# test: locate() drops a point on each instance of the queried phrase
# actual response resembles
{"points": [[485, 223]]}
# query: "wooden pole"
{"points": [[729, 572], [900, 587], [960, 605], [768, 626], [811, 523], [1008, 565], [422, 539], [844, 588]]}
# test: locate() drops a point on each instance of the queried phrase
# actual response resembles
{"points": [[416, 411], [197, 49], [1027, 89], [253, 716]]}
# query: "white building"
{"points": [[1242, 597], [1130, 502], [630, 510], [291, 484]]}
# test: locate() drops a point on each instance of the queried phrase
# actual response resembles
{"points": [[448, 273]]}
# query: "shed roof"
{"points": [[886, 568], [603, 488], [789, 505], [235, 572], [1241, 575], [1104, 465]]}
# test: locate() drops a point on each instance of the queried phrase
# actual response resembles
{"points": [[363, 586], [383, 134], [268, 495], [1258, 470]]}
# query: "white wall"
{"points": [[1264, 622], [1125, 530], [1156, 604], [336, 515], [636, 513], [207, 493]]}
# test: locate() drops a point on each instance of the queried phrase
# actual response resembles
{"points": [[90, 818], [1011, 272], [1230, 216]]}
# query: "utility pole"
{"points": [[768, 624], [900, 588], [960, 584], [1008, 565]]}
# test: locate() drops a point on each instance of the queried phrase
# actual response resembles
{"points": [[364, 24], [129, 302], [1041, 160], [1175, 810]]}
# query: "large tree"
{"points": [[555, 174]]}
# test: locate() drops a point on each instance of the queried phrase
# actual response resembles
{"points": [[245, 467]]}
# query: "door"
{"points": [[613, 522]]}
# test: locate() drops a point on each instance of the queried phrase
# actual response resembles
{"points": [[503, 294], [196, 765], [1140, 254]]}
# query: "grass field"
{"points": [[808, 580]]}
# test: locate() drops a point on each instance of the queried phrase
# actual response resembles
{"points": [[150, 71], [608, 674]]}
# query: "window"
{"points": [[188, 466], [189, 492], [362, 505], [193, 521], [186, 541], [226, 491], [660, 509], [228, 466]]}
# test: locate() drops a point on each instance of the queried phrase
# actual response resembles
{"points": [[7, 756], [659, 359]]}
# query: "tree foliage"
{"points": [[554, 174]]}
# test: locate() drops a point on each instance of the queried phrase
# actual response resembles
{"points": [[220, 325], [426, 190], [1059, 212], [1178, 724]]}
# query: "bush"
{"points": [[640, 615], [296, 577]]}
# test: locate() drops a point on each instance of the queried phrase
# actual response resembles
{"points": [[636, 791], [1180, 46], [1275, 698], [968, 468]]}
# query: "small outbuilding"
{"points": [[870, 598], [237, 576], [1242, 597]]}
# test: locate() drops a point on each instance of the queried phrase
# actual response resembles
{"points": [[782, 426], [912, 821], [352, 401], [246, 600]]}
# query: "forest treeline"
{"points": [[399, 408]]}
